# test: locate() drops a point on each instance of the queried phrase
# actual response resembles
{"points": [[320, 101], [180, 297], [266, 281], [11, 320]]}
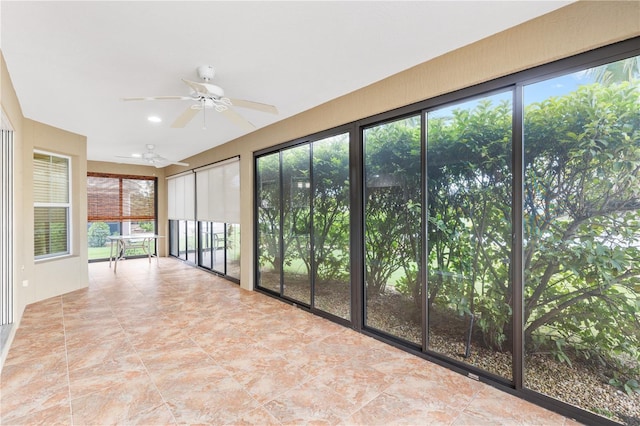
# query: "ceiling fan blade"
{"points": [[238, 119], [134, 161], [185, 117], [197, 87], [254, 105], [159, 98], [158, 159], [159, 165], [178, 163], [160, 162]]}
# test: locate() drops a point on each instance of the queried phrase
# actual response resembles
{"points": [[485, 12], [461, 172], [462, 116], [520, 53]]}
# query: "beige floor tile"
{"points": [[32, 347], [389, 408], [26, 392], [134, 401], [310, 403], [87, 354], [103, 376], [356, 382], [171, 344], [211, 408], [257, 417], [55, 415], [173, 383], [494, 405]]}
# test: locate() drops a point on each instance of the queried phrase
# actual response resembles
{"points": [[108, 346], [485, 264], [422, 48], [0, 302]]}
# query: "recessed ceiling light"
{"points": [[136, 155], [154, 119]]}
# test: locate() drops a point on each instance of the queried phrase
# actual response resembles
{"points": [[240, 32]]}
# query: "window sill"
{"points": [[54, 258]]}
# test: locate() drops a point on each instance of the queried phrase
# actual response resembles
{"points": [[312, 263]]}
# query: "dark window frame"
{"points": [[121, 218], [279, 149]]}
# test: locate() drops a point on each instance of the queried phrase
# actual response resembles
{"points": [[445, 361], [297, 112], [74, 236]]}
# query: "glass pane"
{"points": [[233, 250], [173, 238], [142, 227], [97, 233], [50, 231], [296, 190], [103, 198], [191, 241], [205, 245], [217, 248], [582, 238], [469, 232], [331, 225], [268, 194], [50, 179], [138, 227], [182, 239], [392, 228], [138, 198]]}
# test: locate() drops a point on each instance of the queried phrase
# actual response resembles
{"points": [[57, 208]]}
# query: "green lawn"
{"points": [[99, 253], [96, 253]]}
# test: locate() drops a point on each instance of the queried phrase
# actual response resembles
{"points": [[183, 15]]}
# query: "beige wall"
{"points": [[57, 276], [38, 280], [128, 169], [574, 29]]}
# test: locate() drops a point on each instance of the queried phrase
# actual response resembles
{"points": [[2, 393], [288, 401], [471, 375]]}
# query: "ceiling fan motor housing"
{"points": [[206, 72]]}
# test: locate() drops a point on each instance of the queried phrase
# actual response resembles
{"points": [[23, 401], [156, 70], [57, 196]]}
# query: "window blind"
{"points": [[50, 179], [181, 197], [218, 192], [116, 198], [51, 202]]}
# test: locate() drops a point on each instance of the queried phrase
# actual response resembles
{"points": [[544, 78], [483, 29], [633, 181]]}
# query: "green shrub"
{"points": [[98, 233]]}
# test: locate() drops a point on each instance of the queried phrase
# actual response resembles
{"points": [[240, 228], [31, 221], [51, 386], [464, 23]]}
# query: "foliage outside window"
{"points": [[581, 219], [306, 189], [52, 203], [581, 248], [392, 180], [469, 232]]}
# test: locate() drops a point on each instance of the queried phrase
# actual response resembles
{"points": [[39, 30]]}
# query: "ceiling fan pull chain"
{"points": [[204, 115]]}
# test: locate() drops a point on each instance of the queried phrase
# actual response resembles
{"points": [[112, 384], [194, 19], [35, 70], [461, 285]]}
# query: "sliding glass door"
{"points": [[182, 240], [469, 187], [331, 222], [392, 223], [269, 247], [296, 223], [303, 224], [582, 237]]}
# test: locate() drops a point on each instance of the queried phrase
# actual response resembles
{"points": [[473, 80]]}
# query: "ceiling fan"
{"points": [[151, 158], [209, 96]]}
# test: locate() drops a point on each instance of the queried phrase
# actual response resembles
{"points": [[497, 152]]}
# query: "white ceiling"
{"points": [[72, 62]]}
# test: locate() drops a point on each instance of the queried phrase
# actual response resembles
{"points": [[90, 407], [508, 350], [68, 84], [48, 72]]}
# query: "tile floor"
{"points": [[170, 344]]}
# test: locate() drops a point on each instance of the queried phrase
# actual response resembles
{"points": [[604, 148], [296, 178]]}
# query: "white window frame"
{"points": [[6, 225], [66, 205]]}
